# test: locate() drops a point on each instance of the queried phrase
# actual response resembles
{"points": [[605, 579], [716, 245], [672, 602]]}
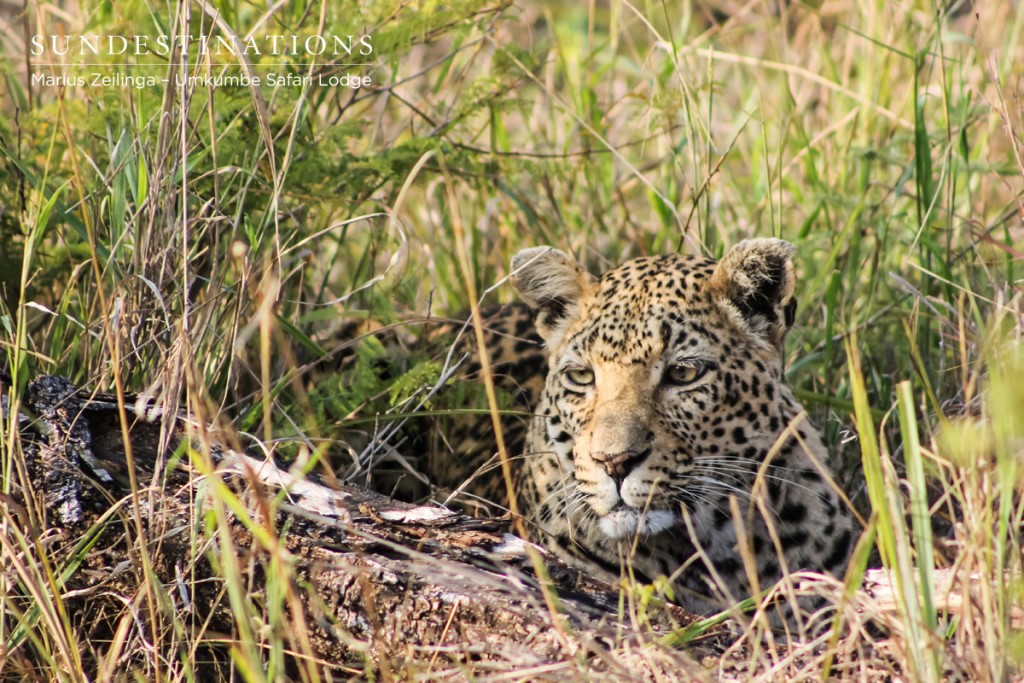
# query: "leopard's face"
{"points": [[665, 416], [663, 388], [662, 397]]}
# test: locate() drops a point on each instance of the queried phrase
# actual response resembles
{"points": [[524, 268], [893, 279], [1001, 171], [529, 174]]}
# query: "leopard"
{"points": [[648, 427], [663, 439]]}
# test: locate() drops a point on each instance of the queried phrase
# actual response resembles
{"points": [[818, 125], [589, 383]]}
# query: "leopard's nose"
{"points": [[619, 465]]}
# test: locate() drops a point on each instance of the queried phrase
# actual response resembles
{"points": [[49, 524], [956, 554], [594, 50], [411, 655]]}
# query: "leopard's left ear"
{"points": [[756, 279]]}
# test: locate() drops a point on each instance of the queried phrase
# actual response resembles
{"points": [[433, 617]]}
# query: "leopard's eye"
{"points": [[581, 377], [685, 373]]}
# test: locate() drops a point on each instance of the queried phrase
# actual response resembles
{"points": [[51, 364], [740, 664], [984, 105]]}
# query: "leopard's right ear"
{"points": [[552, 284]]}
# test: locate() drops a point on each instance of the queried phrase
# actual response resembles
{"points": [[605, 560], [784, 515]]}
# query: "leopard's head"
{"points": [[665, 387]]}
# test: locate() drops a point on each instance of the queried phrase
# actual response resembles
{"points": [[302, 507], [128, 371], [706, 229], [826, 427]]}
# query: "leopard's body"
{"points": [[665, 436]]}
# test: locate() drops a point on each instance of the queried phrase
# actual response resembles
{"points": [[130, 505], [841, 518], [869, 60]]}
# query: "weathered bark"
{"points": [[374, 584]]}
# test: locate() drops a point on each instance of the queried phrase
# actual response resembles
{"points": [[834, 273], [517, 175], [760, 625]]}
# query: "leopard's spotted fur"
{"points": [[665, 434]]}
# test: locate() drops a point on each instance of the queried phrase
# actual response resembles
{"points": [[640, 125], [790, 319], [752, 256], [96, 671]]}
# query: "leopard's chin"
{"points": [[625, 522]]}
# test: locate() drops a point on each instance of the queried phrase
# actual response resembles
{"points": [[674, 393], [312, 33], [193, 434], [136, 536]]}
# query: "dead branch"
{"points": [[377, 584]]}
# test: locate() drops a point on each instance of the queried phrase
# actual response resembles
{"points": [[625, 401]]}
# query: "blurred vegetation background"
{"points": [[878, 137], [205, 245]]}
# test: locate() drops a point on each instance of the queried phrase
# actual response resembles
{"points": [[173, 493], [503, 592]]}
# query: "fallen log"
{"points": [[172, 547]]}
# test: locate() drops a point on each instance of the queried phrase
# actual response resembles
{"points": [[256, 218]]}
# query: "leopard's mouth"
{"points": [[625, 522]]}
